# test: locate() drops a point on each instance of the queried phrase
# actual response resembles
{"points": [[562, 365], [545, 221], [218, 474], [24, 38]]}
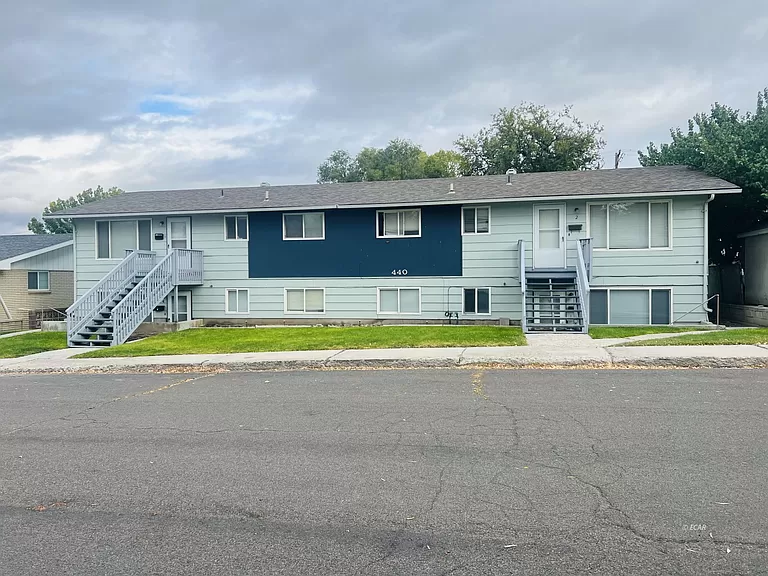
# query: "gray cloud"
{"points": [[271, 88]]}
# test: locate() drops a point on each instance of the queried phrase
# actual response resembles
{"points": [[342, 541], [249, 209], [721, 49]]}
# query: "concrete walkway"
{"points": [[544, 350]]}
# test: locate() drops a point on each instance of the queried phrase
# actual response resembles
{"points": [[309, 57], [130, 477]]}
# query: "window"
{"points": [[305, 300], [630, 306], [398, 223], [38, 282], [399, 300], [237, 301], [310, 226], [236, 227], [630, 225], [476, 220], [114, 237], [477, 300]]}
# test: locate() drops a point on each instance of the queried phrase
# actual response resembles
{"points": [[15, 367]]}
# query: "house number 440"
{"points": [[402, 272]]}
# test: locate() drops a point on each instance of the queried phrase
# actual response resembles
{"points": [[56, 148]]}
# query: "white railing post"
{"points": [[523, 288], [582, 282]]}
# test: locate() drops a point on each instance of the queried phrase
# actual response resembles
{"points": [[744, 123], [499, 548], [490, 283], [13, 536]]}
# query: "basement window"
{"points": [[630, 306], [237, 301], [305, 301], [477, 300]]}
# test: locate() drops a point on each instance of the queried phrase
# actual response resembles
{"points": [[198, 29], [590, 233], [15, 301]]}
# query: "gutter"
{"points": [[705, 275]]}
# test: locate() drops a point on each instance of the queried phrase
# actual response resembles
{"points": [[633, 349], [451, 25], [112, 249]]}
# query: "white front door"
{"points": [[549, 236], [179, 233]]}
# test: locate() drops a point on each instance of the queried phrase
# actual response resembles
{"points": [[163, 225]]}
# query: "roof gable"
{"points": [[13, 246]]}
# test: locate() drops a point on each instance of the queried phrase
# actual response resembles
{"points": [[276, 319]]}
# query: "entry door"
{"points": [[549, 236], [179, 233], [184, 312]]}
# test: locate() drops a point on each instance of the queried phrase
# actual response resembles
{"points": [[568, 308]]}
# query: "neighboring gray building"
{"points": [[550, 251], [36, 277]]}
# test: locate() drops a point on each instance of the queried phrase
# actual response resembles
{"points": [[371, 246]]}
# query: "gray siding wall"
{"points": [[59, 259], [488, 261]]}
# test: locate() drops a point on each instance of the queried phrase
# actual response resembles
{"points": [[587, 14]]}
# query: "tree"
{"points": [[64, 225], [400, 160], [532, 138], [731, 146]]}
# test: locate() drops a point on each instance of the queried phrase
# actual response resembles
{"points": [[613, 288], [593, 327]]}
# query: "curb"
{"points": [[497, 364]]}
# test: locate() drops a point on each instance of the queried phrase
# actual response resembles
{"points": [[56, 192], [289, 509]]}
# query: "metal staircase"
{"points": [[552, 303], [111, 311]]}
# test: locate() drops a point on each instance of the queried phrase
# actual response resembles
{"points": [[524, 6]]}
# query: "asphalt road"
{"points": [[386, 472]]}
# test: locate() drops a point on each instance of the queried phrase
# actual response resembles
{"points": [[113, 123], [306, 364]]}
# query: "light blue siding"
{"points": [[59, 259], [488, 260]]}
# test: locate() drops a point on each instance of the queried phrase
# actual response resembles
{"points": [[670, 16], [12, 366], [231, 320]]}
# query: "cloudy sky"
{"points": [[170, 94]]}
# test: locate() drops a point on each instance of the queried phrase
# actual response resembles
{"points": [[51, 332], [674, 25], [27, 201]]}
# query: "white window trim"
{"points": [[476, 288], [650, 303], [247, 228], [109, 235], [226, 300], [304, 313], [608, 226], [398, 288], [475, 208], [303, 228], [388, 236], [39, 290]]}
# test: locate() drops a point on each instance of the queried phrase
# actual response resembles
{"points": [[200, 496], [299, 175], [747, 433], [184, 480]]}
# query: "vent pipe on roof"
{"points": [[266, 196], [509, 176], [222, 192], [450, 190]]}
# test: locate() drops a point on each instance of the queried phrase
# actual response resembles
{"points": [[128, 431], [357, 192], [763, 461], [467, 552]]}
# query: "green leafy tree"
{"points": [[64, 225], [732, 146], [399, 160], [532, 138]]}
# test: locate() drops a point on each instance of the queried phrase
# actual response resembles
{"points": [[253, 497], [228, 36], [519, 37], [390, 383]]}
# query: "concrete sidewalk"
{"points": [[544, 350]]}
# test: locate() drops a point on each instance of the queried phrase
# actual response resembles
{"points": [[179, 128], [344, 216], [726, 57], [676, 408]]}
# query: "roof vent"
{"points": [[509, 176], [222, 192], [450, 190], [266, 196]]}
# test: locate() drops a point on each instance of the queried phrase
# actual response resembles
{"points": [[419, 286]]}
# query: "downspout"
{"points": [[705, 275]]}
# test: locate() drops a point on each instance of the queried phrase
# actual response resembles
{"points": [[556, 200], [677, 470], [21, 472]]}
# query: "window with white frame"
{"points": [[630, 225], [476, 220], [236, 227], [237, 301], [38, 282], [399, 300], [305, 300], [630, 306], [477, 300], [114, 237], [308, 226], [398, 223]]}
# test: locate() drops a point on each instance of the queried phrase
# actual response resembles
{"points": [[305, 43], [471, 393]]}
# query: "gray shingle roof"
{"points": [[654, 180], [18, 244]]}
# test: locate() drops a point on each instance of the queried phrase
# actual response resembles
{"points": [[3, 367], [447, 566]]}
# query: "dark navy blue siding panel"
{"points": [[351, 249]]}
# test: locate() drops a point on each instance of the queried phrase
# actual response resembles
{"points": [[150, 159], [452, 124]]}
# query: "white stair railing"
{"points": [[523, 282], [96, 299], [137, 305], [582, 281]]}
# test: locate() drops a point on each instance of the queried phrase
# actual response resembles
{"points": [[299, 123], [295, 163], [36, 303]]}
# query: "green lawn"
{"points": [[32, 343], [229, 340], [600, 332], [738, 336]]}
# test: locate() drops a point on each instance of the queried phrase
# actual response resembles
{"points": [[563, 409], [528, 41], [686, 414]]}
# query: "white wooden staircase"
{"points": [[111, 311]]}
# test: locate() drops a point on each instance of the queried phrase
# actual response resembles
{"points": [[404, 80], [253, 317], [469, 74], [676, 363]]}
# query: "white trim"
{"points": [[476, 288], [608, 289], [553, 198], [475, 208], [304, 312], [247, 228], [6, 264], [226, 300], [562, 224], [398, 211], [398, 288], [670, 231], [39, 290], [303, 227]]}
